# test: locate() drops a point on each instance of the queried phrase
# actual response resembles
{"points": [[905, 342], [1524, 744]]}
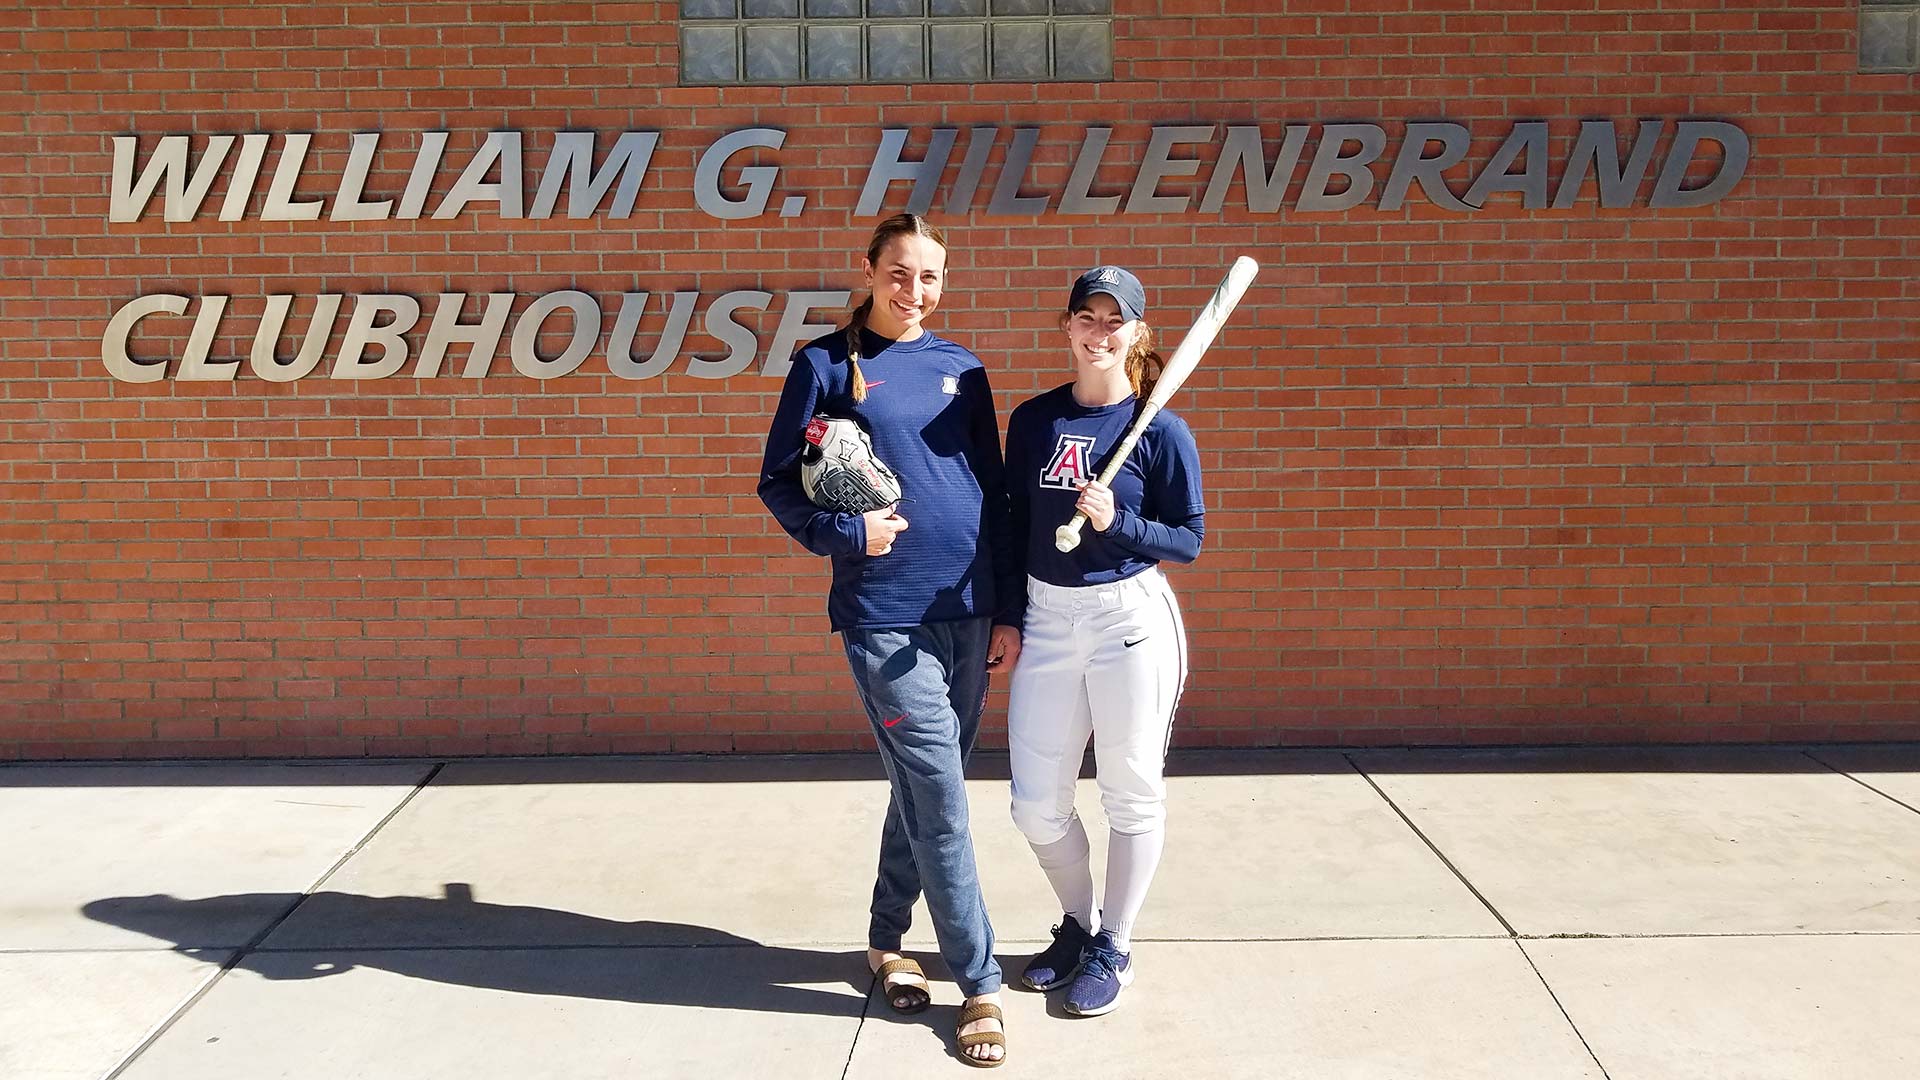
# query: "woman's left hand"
{"points": [[1096, 501], [1003, 649]]}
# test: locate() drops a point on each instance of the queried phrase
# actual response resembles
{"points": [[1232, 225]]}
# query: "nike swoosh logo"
{"points": [[871, 385], [1135, 641], [895, 720]]}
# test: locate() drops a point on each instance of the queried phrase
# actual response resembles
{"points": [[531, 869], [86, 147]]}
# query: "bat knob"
{"points": [[1066, 538]]}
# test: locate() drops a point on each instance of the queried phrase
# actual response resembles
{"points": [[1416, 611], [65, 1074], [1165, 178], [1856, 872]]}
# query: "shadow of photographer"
{"points": [[456, 940]]}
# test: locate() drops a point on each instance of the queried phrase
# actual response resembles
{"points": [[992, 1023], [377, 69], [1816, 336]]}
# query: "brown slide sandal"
{"points": [[916, 998], [982, 1010]]}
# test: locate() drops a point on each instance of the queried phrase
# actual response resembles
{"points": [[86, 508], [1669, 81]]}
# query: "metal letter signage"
{"points": [[1184, 169]]}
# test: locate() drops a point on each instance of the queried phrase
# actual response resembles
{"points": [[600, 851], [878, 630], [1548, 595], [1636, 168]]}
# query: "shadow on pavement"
{"points": [[985, 765], [528, 950]]}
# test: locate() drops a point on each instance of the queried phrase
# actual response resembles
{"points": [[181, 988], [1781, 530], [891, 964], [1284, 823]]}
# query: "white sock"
{"points": [[1068, 862], [1131, 861]]}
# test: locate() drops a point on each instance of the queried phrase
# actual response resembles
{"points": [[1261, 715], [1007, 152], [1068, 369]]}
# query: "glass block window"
{"points": [[785, 42], [1890, 35]]}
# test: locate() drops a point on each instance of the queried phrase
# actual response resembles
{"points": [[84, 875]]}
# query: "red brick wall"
{"points": [[1515, 475]]}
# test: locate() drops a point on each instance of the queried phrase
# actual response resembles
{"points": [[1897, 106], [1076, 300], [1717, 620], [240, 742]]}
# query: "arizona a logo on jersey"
{"points": [[1071, 463]]}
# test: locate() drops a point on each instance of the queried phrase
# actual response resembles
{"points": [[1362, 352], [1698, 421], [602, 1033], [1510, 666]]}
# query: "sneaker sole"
{"points": [[1126, 980], [1054, 985]]}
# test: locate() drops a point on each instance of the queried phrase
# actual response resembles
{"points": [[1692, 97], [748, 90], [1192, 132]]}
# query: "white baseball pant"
{"points": [[1106, 661]]}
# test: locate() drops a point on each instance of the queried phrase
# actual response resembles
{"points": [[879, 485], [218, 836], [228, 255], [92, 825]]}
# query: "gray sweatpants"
{"points": [[924, 688]]}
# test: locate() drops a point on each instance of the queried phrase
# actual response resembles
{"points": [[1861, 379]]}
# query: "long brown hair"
{"points": [[1144, 365], [889, 230]]}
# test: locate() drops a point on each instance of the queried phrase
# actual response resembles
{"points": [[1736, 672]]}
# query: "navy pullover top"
{"points": [[1053, 442], [929, 412]]}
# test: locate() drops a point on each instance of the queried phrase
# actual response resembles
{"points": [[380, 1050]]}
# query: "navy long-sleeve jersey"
{"points": [[929, 412], [1159, 511]]}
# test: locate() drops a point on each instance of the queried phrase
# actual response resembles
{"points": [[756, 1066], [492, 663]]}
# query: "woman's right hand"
{"points": [[882, 527]]}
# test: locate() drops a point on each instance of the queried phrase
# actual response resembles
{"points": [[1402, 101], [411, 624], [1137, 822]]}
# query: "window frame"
{"points": [[989, 23]]}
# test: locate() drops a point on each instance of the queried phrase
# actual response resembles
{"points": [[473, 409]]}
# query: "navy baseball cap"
{"points": [[1115, 282]]}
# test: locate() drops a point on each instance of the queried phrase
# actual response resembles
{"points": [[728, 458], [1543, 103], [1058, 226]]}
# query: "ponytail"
{"points": [[1144, 365]]}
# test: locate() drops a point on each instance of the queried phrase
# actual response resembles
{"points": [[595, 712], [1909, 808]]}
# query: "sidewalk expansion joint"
{"points": [[1571, 1026], [1712, 935], [1273, 939], [1431, 846], [668, 946], [251, 946], [113, 950], [1862, 783], [853, 1045]]}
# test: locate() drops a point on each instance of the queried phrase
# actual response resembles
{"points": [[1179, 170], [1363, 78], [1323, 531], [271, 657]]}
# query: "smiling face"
{"points": [[1100, 335], [906, 284]]}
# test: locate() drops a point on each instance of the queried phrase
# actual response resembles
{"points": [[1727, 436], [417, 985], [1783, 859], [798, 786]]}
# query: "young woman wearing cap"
{"points": [[916, 607], [1104, 654]]}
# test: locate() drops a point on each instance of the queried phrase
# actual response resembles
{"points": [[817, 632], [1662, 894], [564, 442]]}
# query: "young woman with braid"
{"points": [[1104, 652], [915, 605]]}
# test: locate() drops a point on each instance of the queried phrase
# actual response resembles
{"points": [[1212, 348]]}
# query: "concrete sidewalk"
{"points": [[1649, 914]]}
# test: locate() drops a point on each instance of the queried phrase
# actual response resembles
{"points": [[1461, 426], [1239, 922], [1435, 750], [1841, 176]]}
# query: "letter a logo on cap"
{"points": [[1114, 281]]}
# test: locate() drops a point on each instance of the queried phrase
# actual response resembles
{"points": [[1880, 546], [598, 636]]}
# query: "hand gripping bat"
{"points": [[1185, 359]]}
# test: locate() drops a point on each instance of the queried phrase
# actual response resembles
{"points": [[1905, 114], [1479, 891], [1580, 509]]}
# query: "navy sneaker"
{"points": [[1061, 960], [1097, 988]]}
